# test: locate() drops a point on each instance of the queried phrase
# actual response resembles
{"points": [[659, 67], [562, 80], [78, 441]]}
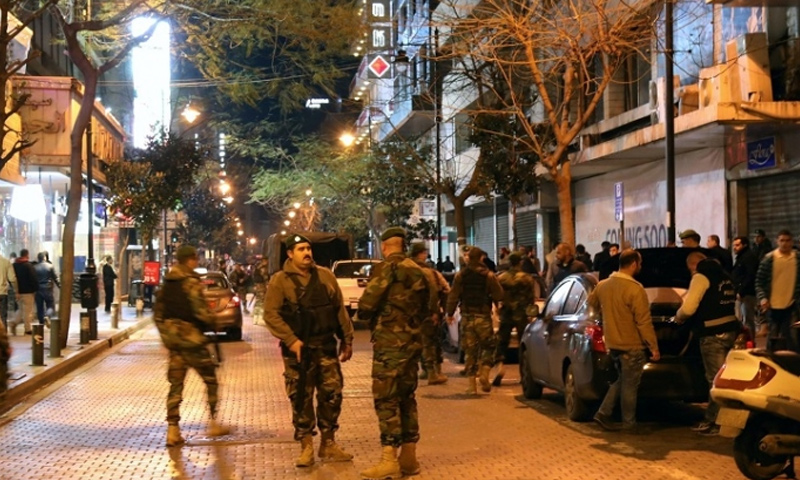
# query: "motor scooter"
{"points": [[759, 397]]}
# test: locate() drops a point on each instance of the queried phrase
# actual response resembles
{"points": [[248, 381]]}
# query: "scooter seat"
{"points": [[786, 359]]}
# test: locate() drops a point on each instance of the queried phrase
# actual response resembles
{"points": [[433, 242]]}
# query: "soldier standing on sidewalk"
{"points": [[303, 308], [395, 302], [519, 292], [182, 317], [475, 288], [431, 340]]}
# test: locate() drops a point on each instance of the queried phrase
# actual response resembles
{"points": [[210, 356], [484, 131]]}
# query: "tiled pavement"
{"points": [[106, 421]]}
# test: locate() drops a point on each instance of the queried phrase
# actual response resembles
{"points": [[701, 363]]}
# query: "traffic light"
{"points": [[174, 237]]}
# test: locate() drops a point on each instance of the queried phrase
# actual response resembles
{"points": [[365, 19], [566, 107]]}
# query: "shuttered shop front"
{"points": [[772, 204]]}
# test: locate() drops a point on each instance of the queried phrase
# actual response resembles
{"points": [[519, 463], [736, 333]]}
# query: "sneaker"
{"points": [[712, 431], [606, 423], [703, 427]]}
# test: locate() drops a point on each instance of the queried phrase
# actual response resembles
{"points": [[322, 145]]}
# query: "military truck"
{"points": [[327, 248]]}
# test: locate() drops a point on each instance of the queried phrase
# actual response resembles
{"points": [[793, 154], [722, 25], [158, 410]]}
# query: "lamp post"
{"points": [[88, 279], [669, 119]]}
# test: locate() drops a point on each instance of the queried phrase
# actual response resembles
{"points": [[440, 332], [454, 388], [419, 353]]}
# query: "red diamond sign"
{"points": [[378, 66]]}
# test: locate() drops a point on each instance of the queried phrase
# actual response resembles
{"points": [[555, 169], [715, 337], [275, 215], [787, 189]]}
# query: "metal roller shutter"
{"points": [[483, 229], [526, 229], [770, 204], [502, 226]]}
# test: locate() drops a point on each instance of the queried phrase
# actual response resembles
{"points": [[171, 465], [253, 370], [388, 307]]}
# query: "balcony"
{"points": [[410, 118]]}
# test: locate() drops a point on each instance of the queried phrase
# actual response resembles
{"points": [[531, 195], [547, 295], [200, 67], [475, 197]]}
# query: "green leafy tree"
{"points": [[209, 221]]}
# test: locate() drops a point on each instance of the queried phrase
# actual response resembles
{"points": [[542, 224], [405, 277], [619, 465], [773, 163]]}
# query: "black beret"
{"points": [[294, 239], [393, 232]]}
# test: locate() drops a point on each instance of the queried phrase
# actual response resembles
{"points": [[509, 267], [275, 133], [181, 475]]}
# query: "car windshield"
{"points": [[214, 281], [353, 270]]}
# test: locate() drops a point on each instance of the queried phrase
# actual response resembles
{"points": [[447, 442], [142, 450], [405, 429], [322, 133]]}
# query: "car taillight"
{"points": [[764, 374], [595, 334], [234, 302]]}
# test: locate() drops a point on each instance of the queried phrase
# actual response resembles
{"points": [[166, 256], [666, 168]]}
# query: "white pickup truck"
{"points": [[352, 276]]}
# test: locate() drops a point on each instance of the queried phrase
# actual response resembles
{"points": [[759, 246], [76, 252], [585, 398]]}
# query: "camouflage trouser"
{"points": [[325, 375], [509, 320], [258, 308], [179, 363], [431, 344], [394, 383], [477, 342]]}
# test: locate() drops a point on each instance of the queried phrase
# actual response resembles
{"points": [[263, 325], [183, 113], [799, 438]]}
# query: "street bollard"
{"points": [[37, 345], [92, 324], [84, 328], [115, 310], [55, 340]]}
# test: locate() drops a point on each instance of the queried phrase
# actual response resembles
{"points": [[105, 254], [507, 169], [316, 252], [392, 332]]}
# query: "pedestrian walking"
{"points": [[431, 340], [395, 302], [582, 255], [238, 278], [519, 293], [627, 331], [303, 308], [564, 265], [181, 315], [761, 245], [109, 278], [709, 308], [689, 238], [27, 286], [719, 252], [7, 281], [601, 257], [744, 280], [260, 280], [778, 292], [475, 290], [48, 280]]}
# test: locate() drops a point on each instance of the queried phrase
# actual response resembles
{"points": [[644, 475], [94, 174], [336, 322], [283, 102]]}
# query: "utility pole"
{"points": [[669, 119], [88, 279]]}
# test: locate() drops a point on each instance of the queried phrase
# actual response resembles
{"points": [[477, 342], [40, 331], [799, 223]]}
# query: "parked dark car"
{"points": [[564, 348], [224, 303]]}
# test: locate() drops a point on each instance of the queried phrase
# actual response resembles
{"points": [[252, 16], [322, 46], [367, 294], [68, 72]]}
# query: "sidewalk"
{"points": [[26, 379]]}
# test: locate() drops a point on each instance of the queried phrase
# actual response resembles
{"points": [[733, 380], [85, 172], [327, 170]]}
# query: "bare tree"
{"points": [[547, 64]]}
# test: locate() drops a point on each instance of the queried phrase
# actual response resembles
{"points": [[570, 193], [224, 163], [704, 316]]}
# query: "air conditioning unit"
{"points": [[657, 98], [716, 85], [749, 56]]}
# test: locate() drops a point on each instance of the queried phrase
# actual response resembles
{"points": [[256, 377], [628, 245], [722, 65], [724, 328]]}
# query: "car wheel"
{"points": [[234, 334], [752, 462], [577, 408], [530, 389]]}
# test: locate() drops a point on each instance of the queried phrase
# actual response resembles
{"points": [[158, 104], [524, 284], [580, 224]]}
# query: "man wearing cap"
{"points": [[395, 302], [519, 292], [689, 238], [304, 299], [181, 315], [475, 289], [762, 245], [431, 341]]}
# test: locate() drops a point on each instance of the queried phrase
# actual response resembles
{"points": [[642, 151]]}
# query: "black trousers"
{"points": [[109, 288]]}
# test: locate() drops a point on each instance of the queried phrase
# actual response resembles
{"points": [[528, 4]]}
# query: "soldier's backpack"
{"points": [[176, 333]]}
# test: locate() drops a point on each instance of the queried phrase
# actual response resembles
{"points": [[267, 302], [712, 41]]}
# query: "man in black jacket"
{"points": [[744, 280], [27, 286]]}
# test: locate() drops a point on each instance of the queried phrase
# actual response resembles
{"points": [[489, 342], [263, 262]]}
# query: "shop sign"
{"points": [[762, 154], [152, 273]]}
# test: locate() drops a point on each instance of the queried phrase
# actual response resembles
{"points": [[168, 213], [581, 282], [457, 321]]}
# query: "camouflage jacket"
{"points": [[438, 281], [202, 320], [519, 290], [495, 291], [396, 300], [281, 289]]}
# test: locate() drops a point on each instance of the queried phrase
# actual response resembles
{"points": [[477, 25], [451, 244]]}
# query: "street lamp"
{"points": [[347, 139]]}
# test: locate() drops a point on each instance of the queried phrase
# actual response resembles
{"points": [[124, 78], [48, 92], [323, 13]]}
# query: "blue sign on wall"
{"points": [[619, 199], [762, 154]]}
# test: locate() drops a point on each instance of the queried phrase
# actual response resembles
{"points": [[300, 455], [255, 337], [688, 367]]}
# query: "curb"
{"points": [[25, 387]]}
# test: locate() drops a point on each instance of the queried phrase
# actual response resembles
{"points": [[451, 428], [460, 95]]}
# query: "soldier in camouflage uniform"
{"points": [[305, 300], [181, 315], [431, 340], [475, 288], [395, 302], [519, 292], [260, 280]]}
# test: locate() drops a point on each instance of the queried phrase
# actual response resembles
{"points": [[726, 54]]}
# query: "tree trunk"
{"points": [[563, 180], [74, 201], [458, 212]]}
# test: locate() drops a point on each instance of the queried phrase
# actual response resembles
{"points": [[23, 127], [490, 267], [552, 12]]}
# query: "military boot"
{"points": [[388, 468], [499, 373], [329, 451], [306, 458], [472, 389], [408, 459], [216, 430], [435, 376], [174, 437], [484, 377]]}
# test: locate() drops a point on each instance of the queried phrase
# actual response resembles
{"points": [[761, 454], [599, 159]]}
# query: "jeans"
{"points": [[630, 366], [44, 299], [746, 312], [714, 349], [781, 336]]}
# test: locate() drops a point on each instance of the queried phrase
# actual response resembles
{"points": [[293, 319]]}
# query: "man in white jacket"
{"points": [[7, 279]]}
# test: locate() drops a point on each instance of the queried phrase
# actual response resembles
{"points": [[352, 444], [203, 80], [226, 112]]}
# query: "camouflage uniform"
{"points": [[260, 280], [474, 289], [518, 293], [431, 340], [171, 302], [324, 373], [396, 300]]}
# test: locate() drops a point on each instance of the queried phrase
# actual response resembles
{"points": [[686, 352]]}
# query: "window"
{"points": [[556, 300], [576, 300]]}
